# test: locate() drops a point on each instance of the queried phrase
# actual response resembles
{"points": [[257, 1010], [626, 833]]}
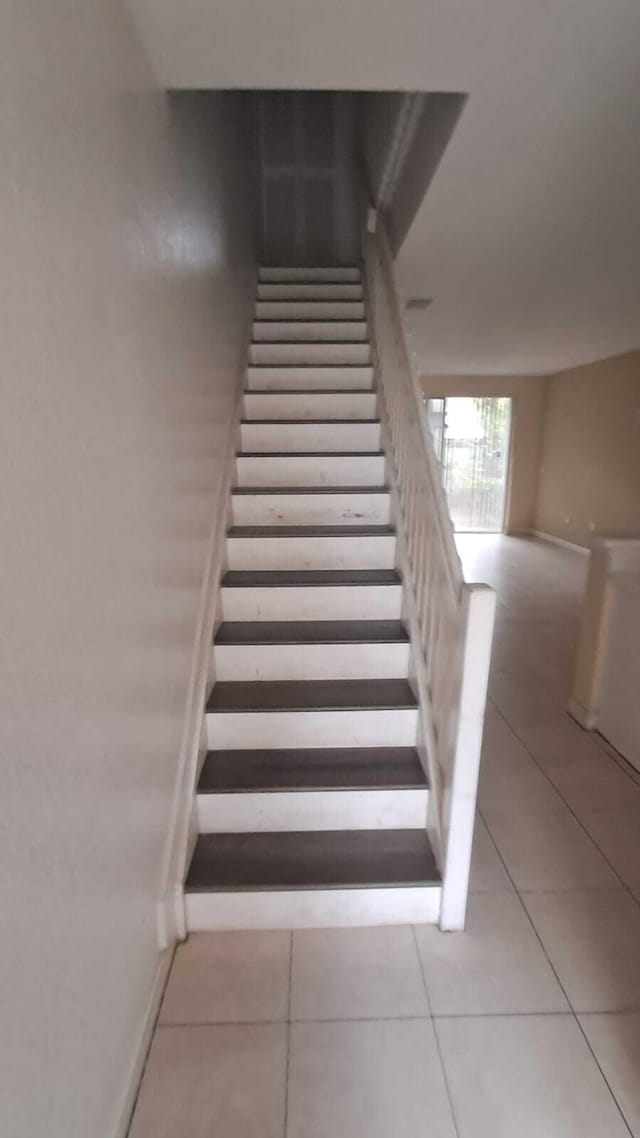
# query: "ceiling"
{"points": [[528, 241]]}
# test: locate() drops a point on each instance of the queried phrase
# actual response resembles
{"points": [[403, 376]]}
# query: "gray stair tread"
{"points": [[312, 632], [250, 578], [238, 490], [311, 531], [313, 367], [329, 859], [311, 343], [310, 453], [307, 319], [336, 768], [310, 695], [304, 422], [311, 391]]}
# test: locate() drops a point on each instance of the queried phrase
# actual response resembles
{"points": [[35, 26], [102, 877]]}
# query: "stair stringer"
{"points": [[182, 829]]}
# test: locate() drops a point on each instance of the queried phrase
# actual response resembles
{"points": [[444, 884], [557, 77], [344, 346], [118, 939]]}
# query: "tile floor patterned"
{"points": [[528, 1023]]}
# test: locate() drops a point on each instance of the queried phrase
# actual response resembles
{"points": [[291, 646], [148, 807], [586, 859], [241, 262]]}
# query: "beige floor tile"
{"points": [[372, 1079], [617, 834], [615, 1040], [580, 769], [356, 973], [227, 977], [227, 1082], [548, 851], [521, 700], [592, 938], [496, 965], [509, 778], [525, 1077], [487, 871]]}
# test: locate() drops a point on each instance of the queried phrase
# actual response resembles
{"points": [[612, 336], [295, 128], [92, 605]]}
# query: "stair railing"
{"points": [[450, 621]]}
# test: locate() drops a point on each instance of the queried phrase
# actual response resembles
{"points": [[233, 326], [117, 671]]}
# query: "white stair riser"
{"points": [[310, 310], [313, 602], [308, 273], [292, 353], [311, 509], [275, 438], [245, 662], [291, 291], [275, 811], [361, 728], [310, 405], [268, 553], [309, 378], [311, 470], [301, 331], [312, 908]]}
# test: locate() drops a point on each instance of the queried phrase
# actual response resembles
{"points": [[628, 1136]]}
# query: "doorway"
{"points": [[471, 438]]}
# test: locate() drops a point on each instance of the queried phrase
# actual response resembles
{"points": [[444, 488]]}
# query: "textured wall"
{"points": [[527, 410], [124, 296], [590, 475]]}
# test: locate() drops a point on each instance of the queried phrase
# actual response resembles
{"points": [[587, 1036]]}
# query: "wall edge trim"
{"points": [[142, 1044]]}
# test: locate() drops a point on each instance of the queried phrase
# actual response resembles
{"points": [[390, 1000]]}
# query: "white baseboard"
{"points": [[586, 719], [142, 1044], [553, 540]]}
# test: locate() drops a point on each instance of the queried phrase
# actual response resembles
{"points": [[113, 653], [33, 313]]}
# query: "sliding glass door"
{"points": [[471, 437]]}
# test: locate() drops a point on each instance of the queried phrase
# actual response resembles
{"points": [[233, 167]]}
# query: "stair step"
{"points": [[311, 531], [312, 472], [310, 310], [310, 352], [309, 331], [301, 405], [315, 860], [318, 768], [262, 377], [291, 290], [299, 713], [307, 578], [315, 507], [311, 879], [311, 695], [310, 490], [305, 650], [307, 273], [359, 594], [314, 789], [311, 632], [306, 436]]}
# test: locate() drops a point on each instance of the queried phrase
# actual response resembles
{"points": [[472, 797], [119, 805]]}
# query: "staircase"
{"points": [[312, 800]]}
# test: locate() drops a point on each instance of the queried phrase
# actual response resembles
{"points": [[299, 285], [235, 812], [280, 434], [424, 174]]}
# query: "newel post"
{"points": [[462, 778]]}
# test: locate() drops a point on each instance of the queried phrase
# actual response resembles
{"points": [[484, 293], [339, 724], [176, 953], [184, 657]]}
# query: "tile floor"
{"points": [[528, 1023]]}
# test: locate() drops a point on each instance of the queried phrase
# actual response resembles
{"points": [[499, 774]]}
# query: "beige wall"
{"points": [[590, 475], [527, 393], [124, 298]]}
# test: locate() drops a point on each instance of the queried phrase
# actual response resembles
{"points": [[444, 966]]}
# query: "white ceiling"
{"points": [[529, 238]]}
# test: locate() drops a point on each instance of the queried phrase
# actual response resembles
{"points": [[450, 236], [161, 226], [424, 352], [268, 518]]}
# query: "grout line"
{"points": [[434, 1016], [414, 935], [435, 1031], [286, 1082], [514, 730], [573, 1012]]}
